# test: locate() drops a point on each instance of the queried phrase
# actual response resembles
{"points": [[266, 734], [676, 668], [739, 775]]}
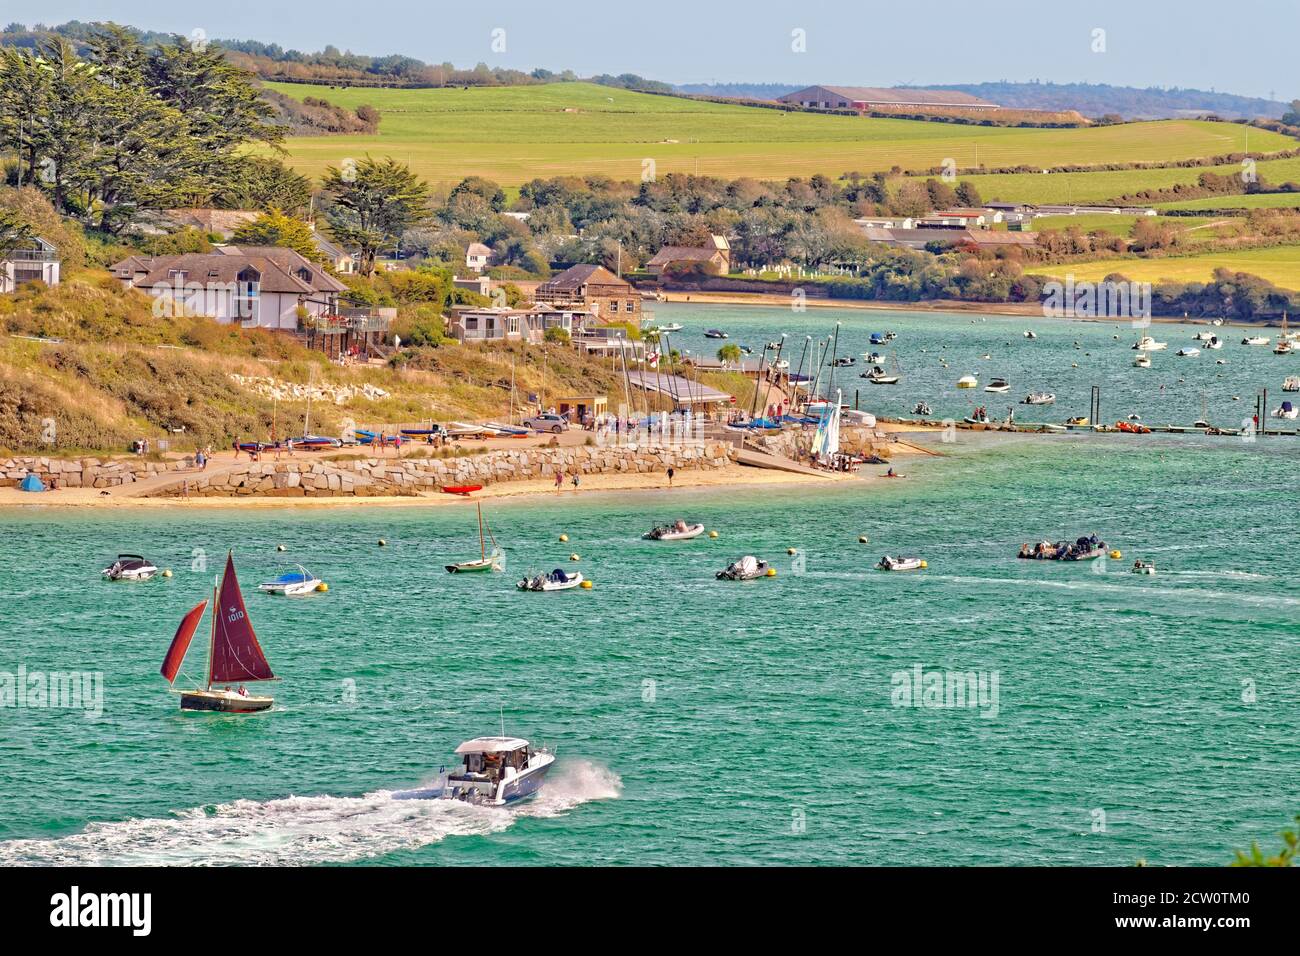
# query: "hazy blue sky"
{"points": [[1243, 46]]}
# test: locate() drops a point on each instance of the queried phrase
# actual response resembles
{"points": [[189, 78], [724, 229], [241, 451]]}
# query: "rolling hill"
{"points": [[513, 134]]}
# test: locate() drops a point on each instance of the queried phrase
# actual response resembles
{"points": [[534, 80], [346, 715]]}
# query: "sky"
{"points": [[1244, 47]]}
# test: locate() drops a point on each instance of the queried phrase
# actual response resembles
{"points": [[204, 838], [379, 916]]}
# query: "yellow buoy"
{"points": [[382, 542], [771, 572], [791, 550], [322, 587], [1116, 554], [586, 585], [862, 539], [713, 534], [564, 537], [167, 573], [279, 547], [925, 564], [573, 557]]}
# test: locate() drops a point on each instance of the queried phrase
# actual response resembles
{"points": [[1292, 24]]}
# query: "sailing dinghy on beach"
{"points": [[234, 654]]}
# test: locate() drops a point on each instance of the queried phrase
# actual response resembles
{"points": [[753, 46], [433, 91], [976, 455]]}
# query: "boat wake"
{"points": [[304, 831]]}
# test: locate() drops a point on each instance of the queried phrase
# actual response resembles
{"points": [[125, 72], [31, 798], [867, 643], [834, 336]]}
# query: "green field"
{"points": [[1110, 184], [1255, 201], [1280, 265], [514, 134], [1120, 225]]}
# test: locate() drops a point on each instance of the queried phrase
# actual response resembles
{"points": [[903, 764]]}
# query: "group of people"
{"points": [[1062, 550]]}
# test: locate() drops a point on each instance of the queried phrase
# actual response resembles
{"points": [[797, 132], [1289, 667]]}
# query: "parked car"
{"points": [[547, 422]]}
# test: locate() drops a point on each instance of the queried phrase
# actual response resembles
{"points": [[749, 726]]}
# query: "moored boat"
{"points": [[1039, 398], [1256, 340], [557, 580], [746, 569], [967, 381], [130, 567], [485, 561], [234, 655], [1143, 360], [292, 583], [888, 563], [1292, 384], [715, 334], [999, 385], [1188, 352], [1147, 344], [1287, 410], [1144, 567], [678, 530]]}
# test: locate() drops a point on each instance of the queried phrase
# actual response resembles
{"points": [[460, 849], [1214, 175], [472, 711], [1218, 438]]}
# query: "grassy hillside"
{"points": [[108, 371], [1255, 201], [1099, 186], [513, 134], [1280, 265]]}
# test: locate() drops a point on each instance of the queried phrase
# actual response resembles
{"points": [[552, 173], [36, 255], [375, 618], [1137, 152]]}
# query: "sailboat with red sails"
{"points": [[234, 655]]}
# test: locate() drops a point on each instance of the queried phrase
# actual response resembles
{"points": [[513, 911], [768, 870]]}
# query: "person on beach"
{"points": [[575, 481], [670, 476], [235, 444], [559, 479]]}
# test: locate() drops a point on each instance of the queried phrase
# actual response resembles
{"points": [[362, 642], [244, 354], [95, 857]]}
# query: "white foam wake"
{"points": [[303, 831]]}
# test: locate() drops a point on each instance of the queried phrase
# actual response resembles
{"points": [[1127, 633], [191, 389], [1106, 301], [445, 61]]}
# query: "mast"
{"points": [[482, 548], [212, 639]]}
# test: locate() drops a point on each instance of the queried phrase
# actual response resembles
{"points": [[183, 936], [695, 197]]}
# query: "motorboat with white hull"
{"points": [[1039, 398], [130, 567], [1291, 384], [1256, 340], [1143, 360], [292, 583], [557, 580], [888, 563], [496, 771], [1189, 352], [746, 569], [999, 385], [677, 531], [1148, 344], [1287, 410]]}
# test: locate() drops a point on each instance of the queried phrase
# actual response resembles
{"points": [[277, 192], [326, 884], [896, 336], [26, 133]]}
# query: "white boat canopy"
{"points": [[491, 745]]}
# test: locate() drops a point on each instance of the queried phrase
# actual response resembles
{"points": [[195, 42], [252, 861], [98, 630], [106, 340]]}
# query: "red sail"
{"points": [[236, 655], [181, 642]]}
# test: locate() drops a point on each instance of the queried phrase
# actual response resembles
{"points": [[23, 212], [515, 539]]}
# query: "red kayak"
{"points": [[461, 489]]}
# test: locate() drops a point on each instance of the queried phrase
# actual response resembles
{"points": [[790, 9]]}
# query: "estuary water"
{"points": [[1120, 717]]}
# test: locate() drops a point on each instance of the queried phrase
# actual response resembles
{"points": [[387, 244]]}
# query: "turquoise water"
{"points": [[1173, 391], [696, 721]]}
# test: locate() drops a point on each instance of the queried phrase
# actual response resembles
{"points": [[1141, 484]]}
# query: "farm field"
{"points": [[514, 134], [1280, 265], [1109, 184], [1121, 225], [1255, 201]]}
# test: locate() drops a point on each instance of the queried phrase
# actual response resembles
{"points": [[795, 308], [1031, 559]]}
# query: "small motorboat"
{"points": [[314, 442], [130, 567], [1283, 347], [877, 338], [714, 334], [1188, 352], [999, 385], [890, 336], [1204, 336], [671, 327], [1039, 398], [1148, 344], [496, 771], [1292, 384], [1077, 420], [1144, 567], [557, 580], [878, 376], [746, 569], [888, 563], [1287, 410], [1132, 428], [845, 361], [967, 381], [1143, 360], [1214, 342], [978, 417], [923, 408], [292, 583], [1029, 334], [679, 530], [1256, 340], [746, 349], [873, 358]]}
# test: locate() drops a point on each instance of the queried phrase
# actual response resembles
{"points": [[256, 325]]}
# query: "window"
{"points": [[176, 276], [631, 305]]}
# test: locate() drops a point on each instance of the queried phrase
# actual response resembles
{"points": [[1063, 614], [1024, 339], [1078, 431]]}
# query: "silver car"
{"points": [[547, 422]]}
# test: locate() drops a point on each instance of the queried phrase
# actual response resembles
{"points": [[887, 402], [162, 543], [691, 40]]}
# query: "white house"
{"points": [[37, 261], [256, 286], [477, 256]]}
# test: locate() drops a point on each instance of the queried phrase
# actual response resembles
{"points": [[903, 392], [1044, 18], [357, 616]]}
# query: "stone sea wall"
{"points": [[86, 472], [319, 478]]}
